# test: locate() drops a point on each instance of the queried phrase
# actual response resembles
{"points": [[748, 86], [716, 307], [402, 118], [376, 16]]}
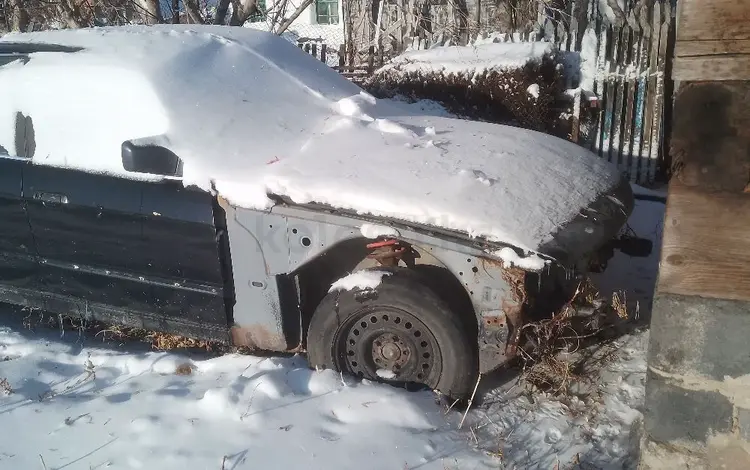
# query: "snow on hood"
{"points": [[253, 114]]}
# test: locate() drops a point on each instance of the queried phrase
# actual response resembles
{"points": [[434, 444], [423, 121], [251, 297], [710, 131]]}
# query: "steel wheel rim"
{"points": [[388, 339]]}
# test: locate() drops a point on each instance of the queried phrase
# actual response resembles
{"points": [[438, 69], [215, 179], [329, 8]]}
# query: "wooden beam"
{"points": [[706, 245], [714, 19], [711, 47], [710, 143], [716, 68]]}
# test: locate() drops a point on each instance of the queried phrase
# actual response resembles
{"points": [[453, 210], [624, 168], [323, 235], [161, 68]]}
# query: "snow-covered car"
{"points": [[220, 183]]}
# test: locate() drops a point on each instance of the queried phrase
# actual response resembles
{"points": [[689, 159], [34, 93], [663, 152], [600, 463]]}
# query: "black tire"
{"points": [[402, 326]]}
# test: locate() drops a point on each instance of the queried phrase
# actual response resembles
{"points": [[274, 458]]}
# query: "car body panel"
{"points": [[18, 263], [180, 245]]}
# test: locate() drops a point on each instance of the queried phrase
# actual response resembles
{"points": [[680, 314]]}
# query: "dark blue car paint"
{"points": [[139, 253]]}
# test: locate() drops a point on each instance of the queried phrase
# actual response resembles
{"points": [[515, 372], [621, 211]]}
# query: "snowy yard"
{"points": [[76, 402]]}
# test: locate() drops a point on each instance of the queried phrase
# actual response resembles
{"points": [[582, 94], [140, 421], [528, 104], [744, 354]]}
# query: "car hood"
{"points": [[252, 116], [499, 183]]}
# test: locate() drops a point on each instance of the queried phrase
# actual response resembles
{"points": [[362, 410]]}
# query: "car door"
{"points": [[182, 247], [18, 265], [87, 229]]}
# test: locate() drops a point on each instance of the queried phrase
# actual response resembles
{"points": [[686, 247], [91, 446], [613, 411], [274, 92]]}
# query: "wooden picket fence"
{"points": [[322, 52], [625, 122]]}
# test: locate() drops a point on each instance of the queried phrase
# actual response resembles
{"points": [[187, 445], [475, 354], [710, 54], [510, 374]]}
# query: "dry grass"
{"points": [[115, 333], [558, 351], [5, 387]]}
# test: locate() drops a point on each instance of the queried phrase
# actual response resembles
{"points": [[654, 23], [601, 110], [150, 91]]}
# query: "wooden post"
{"points": [[323, 49], [342, 57], [315, 50], [370, 60], [699, 348]]}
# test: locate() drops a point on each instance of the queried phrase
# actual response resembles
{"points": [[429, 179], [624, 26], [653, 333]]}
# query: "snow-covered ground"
{"points": [[78, 402]]}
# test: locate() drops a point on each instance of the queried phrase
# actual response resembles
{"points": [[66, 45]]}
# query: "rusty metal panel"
{"points": [[256, 252]]}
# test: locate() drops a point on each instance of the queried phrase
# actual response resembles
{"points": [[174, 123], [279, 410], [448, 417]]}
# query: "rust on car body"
{"points": [[257, 337], [500, 328]]}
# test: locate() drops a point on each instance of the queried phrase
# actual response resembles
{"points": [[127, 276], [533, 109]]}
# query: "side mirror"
{"points": [[152, 159]]}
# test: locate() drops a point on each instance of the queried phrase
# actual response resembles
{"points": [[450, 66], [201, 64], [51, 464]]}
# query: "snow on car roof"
{"points": [[251, 114]]}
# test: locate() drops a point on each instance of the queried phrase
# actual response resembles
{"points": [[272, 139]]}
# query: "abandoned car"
{"points": [[219, 183]]}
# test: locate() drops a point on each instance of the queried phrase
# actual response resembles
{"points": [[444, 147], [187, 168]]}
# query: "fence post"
{"points": [[342, 57], [323, 48], [315, 50], [307, 47], [370, 60], [575, 130]]}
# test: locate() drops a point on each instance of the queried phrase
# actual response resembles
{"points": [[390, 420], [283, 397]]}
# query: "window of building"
{"points": [[327, 11]]}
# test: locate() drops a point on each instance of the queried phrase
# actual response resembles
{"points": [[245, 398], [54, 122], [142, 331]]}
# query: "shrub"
{"points": [[499, 96]]}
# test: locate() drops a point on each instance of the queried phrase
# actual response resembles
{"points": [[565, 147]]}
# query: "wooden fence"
{"points": [[624, 120], [338, 61]]}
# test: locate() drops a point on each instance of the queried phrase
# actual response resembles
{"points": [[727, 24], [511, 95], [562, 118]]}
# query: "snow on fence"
{"points": [[623, 121]]}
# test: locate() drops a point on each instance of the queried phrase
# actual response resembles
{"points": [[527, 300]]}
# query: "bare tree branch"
{"points": [[193, 12], [298, 11], [617, 11], [241, 11]]}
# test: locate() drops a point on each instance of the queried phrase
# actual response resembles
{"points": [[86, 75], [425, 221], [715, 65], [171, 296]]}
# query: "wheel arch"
{"points": [[317, 275]]}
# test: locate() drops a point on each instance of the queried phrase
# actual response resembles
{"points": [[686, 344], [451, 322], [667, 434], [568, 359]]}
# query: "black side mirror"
{"points": [[152, 159]]}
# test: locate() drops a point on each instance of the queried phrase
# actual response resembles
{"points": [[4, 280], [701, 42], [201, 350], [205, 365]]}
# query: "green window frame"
{"points": [[327, 11]]}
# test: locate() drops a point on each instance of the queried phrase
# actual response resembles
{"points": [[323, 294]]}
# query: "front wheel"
{"points": [[399, 332]]}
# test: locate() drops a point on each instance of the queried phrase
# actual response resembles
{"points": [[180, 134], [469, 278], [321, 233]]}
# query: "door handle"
{"points": [[54, 198]]}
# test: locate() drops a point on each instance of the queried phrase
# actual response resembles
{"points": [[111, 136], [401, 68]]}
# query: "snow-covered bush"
{"points": [[508, 83]]}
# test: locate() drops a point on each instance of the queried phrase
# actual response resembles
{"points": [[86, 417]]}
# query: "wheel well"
{"points": [[315, 278]]}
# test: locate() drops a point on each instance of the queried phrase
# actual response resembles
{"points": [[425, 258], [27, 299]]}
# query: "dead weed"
{"points": [[5, 387], [563, 353]]}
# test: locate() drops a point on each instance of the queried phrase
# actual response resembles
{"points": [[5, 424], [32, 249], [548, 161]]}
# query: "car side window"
{"points": [[17, 137]]}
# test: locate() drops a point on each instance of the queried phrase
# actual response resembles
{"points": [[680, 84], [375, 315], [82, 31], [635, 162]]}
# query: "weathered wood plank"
{"points": [[711, 135], [610, 90], [651, 91], [631, 87], [706, 244], [656, 127], [711, 47], [600, 84], [715, 19], [621, 59], [641, 93], [715, 68]]}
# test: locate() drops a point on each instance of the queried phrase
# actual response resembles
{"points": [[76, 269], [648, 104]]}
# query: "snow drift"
{"points": [[251, 114]]}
